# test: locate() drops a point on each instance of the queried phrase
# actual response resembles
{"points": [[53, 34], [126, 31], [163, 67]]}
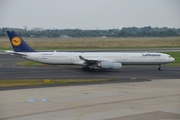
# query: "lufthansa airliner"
{"points": [[88, 60]]}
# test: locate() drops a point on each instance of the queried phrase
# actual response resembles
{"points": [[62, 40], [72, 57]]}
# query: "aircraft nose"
{"points": [[172, 59]]}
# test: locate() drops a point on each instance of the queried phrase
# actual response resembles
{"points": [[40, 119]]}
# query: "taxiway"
{"points": [[9, 71]]}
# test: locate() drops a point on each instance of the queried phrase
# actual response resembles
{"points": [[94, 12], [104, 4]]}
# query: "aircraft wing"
{"points": [[104, 64], [88, 62]]}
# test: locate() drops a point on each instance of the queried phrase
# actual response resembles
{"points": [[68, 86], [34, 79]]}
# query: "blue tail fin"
{"points": [[18, 44]]}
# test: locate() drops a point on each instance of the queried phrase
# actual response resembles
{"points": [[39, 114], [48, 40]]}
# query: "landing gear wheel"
{"points": [[84, 68], [93, 69], [87, 68], [160, 67]]}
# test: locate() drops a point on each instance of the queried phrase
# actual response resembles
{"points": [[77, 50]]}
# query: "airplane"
{"points": [[88, 60]]}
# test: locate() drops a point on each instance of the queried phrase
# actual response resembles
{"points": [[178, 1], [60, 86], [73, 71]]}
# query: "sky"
{"points": [[89, 14]]}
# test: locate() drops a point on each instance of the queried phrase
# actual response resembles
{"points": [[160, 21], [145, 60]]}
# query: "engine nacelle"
{"points": [[110, 65]]}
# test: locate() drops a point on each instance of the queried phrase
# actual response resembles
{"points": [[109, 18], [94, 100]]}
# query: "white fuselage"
{"points": [[103, 60], [120, 57]]}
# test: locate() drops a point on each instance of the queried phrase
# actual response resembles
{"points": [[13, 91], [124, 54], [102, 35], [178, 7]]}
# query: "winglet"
{"points": [[18, 44]]}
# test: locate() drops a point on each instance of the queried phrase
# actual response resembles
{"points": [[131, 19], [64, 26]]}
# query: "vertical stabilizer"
{"points": [[18, 44]]}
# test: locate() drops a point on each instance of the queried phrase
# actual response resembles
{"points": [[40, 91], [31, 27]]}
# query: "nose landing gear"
{"points": [[160, 67]]}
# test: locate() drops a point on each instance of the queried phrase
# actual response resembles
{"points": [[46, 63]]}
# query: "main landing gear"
{"points": [[160, 67], [87, 68]]}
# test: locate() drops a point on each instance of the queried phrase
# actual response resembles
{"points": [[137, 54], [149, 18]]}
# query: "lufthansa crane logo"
{"points": [[16, 41]]}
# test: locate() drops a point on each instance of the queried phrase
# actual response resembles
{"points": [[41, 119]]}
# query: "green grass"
{"points": [[30, 82], [96, 43], [94, 48], [4, 48], [29, 63]]}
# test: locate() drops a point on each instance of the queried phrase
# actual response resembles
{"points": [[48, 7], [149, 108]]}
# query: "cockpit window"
{"points": [[169, 56]]}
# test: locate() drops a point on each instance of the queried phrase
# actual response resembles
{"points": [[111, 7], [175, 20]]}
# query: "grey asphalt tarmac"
{"points": [[9, 71], [155, 100]]}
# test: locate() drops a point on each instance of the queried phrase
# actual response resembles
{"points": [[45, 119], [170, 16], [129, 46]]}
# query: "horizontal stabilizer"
{"points": [[17, 53]]}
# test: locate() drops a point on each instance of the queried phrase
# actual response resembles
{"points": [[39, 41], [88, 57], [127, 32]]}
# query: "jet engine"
{"points": [[109, 65]]}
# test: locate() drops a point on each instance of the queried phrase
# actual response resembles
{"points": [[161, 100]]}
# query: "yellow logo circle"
{"points": [[16, 41]]}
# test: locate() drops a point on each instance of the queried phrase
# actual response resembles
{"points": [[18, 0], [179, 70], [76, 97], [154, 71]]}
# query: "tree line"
{"points": [[147, 31]]}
